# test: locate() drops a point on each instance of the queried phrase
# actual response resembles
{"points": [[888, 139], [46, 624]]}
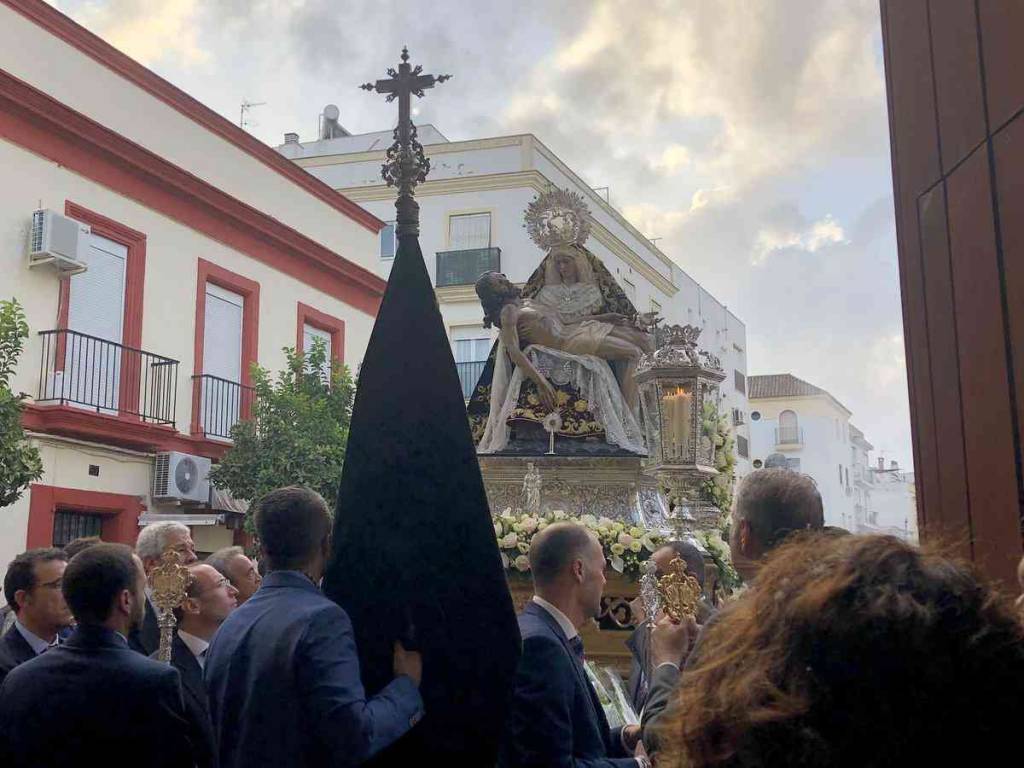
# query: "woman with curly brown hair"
{"points": [[854, 651]]}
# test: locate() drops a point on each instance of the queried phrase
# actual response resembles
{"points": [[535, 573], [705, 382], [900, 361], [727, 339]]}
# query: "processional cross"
{"points": [[405, 165]]}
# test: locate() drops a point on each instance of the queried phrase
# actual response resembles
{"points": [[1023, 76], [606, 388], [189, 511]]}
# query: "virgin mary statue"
{"points": [[572, 348]]}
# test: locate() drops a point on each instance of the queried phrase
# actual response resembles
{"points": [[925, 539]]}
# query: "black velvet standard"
{"points": [[413, 540]]}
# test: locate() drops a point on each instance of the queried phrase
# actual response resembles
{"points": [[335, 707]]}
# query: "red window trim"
{"points": [[134, 290], [120, 513], [250, 291], [62, 27], [328, 323], [50, 129]]}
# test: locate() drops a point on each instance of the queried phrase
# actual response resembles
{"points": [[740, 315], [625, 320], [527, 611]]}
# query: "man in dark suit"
{"points": [[639, 641], [771, 504], [556, 718], [153, 541], [210, 599], [32, 587], [282, 672], [92, 700]]}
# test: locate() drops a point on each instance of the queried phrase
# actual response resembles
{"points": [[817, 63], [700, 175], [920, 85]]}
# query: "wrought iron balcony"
{"points": [[464, 267], [219, 404], [469, 375], [789, 436], [106, 377]]}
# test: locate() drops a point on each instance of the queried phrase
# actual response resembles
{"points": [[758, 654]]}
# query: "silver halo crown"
{"points": [[558, 217]]}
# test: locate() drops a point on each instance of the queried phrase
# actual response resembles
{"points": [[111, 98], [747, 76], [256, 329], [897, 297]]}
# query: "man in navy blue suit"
{"points": [[556, 718], [282, 672], [32, 587], [92, 700]]}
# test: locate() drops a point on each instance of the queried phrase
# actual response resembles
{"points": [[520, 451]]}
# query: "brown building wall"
{"points": [[955, 81]]}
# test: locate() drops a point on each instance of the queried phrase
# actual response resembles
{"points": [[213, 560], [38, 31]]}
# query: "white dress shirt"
{"points": [[561, 618], [195, 644]]}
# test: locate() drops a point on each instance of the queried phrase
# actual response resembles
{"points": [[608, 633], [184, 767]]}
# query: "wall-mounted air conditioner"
{"points": [[57, 241], [181, 477]]}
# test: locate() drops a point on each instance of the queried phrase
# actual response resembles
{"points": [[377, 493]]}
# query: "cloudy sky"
{"points": [[750, 136]]}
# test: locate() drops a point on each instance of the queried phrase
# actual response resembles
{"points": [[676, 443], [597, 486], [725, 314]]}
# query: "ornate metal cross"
{"points": [[405, 165]]}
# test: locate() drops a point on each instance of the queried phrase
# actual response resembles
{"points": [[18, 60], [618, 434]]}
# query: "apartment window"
{"points": [[740, 382], [388, 243], [68, 526], [846, 472], [741, 446], [469, 231], [470, 348], [629, 288], [310, 334], [789, 428]]}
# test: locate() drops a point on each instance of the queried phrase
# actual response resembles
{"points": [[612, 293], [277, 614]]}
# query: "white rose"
{"points": [[522, 563], [542, 525], [510, 541], [605, 522], [529, 524], [625, 539], [589, 520], [617, 549], [635, 546], [559, 514]]}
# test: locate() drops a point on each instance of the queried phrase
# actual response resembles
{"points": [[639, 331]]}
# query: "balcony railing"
{"points": [[469, 375], [220, 404], [104, 376], [789, 436], [464, 267]]}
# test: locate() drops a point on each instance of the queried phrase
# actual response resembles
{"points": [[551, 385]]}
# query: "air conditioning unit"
{"points": [[181, 477], [58, 241]]}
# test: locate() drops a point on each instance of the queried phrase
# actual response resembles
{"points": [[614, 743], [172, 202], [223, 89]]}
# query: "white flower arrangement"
{"points": [[625, 546]]}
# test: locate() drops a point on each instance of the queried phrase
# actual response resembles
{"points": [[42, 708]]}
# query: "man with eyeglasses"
{"points": [[32, 587], [243, 573], [210, 599]]}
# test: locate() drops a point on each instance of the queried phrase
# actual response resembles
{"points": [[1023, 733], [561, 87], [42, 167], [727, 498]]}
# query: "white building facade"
{"points": [[811, 429], [795, 423], [203, 252], [471, 221]]}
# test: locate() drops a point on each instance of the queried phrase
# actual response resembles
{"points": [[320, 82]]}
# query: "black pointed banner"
{"points": [[413, 540]]}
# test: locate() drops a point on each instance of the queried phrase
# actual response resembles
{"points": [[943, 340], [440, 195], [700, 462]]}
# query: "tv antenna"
{"points": [[244, 121]]}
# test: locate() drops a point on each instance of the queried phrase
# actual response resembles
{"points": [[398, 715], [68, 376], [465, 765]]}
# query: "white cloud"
{"points": [[147, 30], [824, 232]]}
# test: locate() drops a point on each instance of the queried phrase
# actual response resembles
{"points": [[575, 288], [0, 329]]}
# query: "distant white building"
{"points": [[471, 221], [795, 422], [893, 508], [811, 429]]}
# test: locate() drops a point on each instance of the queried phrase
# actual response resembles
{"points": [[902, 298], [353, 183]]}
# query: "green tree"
{"points": [[20, 463], [298, 432]]}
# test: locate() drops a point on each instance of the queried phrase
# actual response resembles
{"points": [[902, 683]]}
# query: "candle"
{"points": [[676, 408]]}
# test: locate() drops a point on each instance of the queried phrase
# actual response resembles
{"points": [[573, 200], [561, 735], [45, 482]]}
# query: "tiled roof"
{"points": [[780, 385], [785, 385]]}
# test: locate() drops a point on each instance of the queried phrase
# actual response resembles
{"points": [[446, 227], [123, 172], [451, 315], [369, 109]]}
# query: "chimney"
{"points": [[291, 138], [881, 464], [894, 464]]}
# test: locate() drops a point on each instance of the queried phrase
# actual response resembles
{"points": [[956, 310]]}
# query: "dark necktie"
{"points": [[576, 644]]}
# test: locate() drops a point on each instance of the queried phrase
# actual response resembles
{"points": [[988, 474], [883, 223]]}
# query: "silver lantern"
{"points": [[675, 381]]}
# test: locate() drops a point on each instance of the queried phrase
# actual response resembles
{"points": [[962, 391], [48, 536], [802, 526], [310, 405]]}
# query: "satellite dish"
{"points": [[331, 112]]}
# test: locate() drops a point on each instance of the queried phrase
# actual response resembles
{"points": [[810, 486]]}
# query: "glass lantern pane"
{"points": [[677, 421]]}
